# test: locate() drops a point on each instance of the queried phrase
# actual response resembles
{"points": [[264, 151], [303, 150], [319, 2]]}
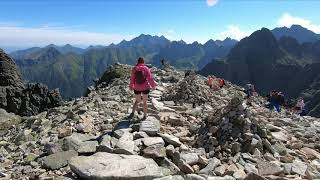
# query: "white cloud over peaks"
{"points": [[212, 2], [18, 36], [287, 20], [233, 32]]}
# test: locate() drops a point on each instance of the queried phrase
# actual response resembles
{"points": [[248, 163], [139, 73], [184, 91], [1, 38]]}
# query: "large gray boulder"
{"points": [[104, 165]]}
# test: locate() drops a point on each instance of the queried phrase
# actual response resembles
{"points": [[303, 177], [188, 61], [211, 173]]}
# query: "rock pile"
{"points": [[23, 99], [220, 139], [194, 89]]}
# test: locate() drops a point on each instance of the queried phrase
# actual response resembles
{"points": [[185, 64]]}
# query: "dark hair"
{"points": [[140, 60]]}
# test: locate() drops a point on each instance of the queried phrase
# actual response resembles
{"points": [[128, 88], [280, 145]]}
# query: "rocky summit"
{"points": [[191, 132], [23, 99]]}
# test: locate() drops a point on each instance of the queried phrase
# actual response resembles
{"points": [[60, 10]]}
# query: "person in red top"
{"points": [[210, 81], [140, 81], [221, 83]]}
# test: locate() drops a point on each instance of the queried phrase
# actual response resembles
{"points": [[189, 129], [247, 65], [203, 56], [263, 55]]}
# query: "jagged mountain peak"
{"points": [[259, 43], [145, 40]]}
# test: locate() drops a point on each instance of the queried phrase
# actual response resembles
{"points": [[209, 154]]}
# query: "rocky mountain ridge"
{"points": [[16, 97], [220, 139], [296, 31]]}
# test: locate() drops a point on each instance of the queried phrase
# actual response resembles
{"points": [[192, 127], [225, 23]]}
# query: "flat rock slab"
{"points": [[281, 136], [221, 178], [160, 106], [190, 158], [104, 165], [175, 177], [170, 139], [299, 167], [59, 159], [151, 126], [149, 141], [88, 147], [269, 168]]}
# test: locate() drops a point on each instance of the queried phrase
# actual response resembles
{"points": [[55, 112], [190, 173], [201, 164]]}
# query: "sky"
{"points": [[28, 23]]}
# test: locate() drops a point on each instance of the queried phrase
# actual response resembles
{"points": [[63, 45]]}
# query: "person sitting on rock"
{"points": [[140, 82]]}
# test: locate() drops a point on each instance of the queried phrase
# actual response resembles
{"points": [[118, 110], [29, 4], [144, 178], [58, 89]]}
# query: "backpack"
{"points": [[140, 77]]}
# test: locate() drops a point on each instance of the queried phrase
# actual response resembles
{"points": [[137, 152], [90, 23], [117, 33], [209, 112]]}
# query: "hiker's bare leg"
{"points": [[145, 105], [136, 103]]}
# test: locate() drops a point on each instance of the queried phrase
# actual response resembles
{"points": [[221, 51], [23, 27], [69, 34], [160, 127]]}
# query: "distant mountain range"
{"points": [[270, 64], [73, 69]]}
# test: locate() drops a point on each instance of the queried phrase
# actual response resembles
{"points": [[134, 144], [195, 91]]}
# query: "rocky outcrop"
{"points": [[220, 138], [9, 76], [23, 99]]}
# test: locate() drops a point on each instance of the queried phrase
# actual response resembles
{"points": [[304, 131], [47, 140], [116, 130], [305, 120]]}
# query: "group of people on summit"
{"points": [[276, 100], [141, 81]]}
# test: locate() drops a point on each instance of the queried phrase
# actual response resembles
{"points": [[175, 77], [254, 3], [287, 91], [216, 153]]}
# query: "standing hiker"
{"points": [[140, 81], [275, 101], [210, 81], [162, 62], [250, 91], [221, 83], [300, 106]]}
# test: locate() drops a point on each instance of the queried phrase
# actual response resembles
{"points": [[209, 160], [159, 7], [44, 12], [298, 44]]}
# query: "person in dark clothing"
{"points": [[275, 101], [250, 91], [162, 62], [187, 73], [281, 99]]}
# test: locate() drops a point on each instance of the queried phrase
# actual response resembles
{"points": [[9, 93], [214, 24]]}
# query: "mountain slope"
{"points": [[97, 60], [195, 55], [67, 49], [32, 53]]}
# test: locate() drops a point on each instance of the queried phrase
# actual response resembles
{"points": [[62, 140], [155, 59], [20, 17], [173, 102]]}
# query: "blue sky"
{"points": [[26, 23]]}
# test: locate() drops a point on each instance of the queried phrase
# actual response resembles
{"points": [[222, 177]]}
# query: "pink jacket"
{"points": [[148, 75]]}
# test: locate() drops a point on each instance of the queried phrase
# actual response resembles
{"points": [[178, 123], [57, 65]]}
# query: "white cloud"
{"points": [[287, 20], [212, 2], [169, 34], [18, 36], [233, 32]]}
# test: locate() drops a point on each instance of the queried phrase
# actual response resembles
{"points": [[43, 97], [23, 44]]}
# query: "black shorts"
{"points": [[143, 92]]}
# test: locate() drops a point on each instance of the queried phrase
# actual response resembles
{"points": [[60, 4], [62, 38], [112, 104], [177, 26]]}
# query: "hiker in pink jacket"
{"points": [[140, 81]]}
